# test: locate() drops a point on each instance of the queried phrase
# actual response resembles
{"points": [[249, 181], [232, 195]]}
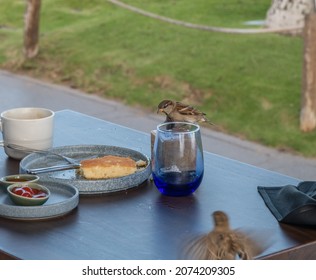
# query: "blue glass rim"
{"points": [[192, 127]]}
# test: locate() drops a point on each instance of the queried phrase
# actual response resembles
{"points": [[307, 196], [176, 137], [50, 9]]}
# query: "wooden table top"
{"points": [[141, 223]]}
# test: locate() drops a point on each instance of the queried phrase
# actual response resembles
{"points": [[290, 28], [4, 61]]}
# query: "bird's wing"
{"points": [[187, 109], [197, 248], [222, 246]]}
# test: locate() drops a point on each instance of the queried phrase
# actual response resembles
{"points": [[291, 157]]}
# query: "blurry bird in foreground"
{"points": [[178, 112], [223, 243]]}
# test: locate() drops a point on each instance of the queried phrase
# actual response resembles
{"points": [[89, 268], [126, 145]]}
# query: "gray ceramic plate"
{"points": [[63, 199], [85, 186]]}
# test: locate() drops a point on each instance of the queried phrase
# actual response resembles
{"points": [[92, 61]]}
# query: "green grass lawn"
{"points": [[249, 85]]}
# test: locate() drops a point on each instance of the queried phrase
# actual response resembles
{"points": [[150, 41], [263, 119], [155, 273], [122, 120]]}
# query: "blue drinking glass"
{"points": [[177, 161]]}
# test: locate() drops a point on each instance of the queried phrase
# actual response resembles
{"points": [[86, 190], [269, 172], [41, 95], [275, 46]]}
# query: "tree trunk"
{"points": [[308, 109], [31, 28], [288, 13]]}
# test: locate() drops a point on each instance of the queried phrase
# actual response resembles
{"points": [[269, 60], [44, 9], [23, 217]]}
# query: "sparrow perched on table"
{"points": [[178, 112], [222, 243]]}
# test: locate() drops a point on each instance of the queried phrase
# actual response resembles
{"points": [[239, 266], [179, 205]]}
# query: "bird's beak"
{"points": [[159, 111]]}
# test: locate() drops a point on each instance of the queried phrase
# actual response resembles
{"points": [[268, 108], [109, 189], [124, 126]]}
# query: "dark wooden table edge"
{"points": [[6, 256], [302, 252]]}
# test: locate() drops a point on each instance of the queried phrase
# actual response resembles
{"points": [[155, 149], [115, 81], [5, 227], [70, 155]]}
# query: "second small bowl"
{"points": [[28, 194], [18, 178]]}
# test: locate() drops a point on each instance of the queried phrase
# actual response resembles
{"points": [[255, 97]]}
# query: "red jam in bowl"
{"points": [[27, 191]]}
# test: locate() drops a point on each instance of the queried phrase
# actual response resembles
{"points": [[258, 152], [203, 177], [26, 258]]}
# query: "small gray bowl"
{"points": [[28, 201], [18, 178]]}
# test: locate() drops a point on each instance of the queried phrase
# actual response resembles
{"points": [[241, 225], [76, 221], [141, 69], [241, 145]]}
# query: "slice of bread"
{"points": [[107, 167]]}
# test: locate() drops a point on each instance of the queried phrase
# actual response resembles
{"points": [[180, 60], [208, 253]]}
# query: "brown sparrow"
{"points": [[178, 112], [222, 243]]}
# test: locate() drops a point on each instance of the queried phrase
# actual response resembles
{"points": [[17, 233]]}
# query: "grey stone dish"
{"points": [[79, 152], [63, 199]]}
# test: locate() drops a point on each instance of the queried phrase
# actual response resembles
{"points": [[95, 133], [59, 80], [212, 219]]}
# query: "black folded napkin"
{"points": [[290, 204]]}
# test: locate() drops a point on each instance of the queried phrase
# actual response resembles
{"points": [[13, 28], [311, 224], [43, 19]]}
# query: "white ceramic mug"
{"points": [[27, 127]]}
